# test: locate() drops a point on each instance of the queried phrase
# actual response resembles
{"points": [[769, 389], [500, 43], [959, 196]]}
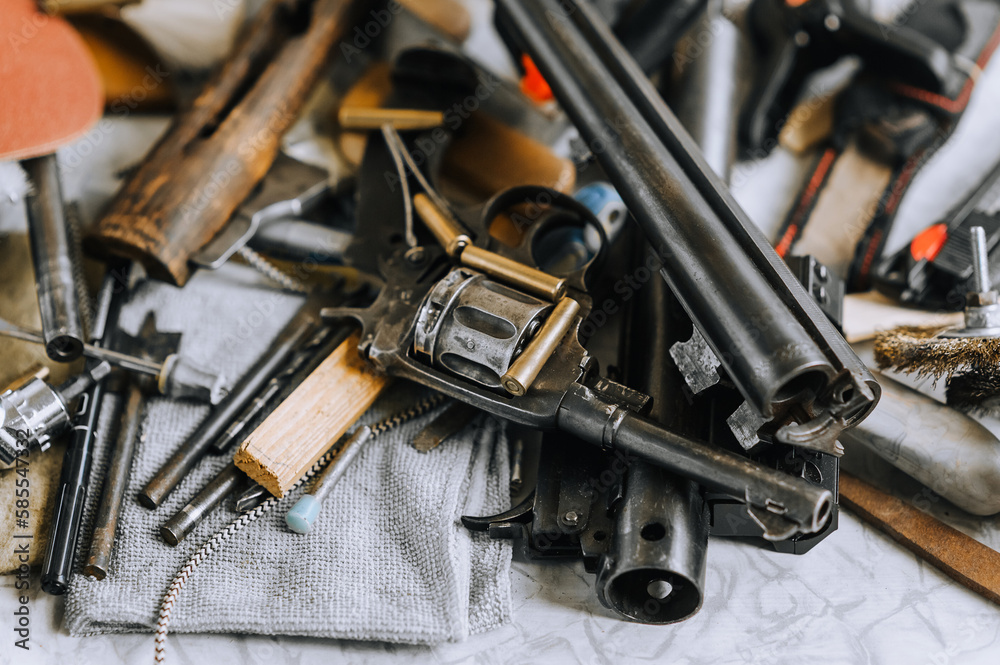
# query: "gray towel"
{"points": [[388, 558]]}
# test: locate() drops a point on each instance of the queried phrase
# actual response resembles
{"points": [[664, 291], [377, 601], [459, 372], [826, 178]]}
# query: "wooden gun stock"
{"points": [[218, 150]]}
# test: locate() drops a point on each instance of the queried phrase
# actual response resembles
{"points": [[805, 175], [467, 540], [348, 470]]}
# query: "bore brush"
{"points": [[968, 357]]}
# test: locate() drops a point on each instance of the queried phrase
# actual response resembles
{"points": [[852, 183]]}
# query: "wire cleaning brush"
{"points": [[968, 357]]}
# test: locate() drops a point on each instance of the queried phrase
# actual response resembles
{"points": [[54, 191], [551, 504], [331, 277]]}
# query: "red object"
{"points": [[533, 85], [929, 242], [51, 89]]}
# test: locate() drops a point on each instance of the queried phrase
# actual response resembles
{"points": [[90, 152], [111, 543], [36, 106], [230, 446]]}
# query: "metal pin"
{"points": [[304, 513], [187, 518], [175, 377], [251, 498], [115, 482], [980, 259], [525, 368], [514, 273], [516, 462], [363, 119], [449, 422]]}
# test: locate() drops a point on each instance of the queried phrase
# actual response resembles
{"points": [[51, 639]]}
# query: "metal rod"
{"points": [[115, 481], [303, 514], [980, 259], [303, 363], [123, 360], [187, 518], [291, 337], [53, 258], [522, 372]]}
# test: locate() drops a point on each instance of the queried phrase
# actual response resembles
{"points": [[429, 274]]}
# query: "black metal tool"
{"points": [[797, 38], [770, 337], [55, 259], [115, 482], [176, 529], [71, 494]]}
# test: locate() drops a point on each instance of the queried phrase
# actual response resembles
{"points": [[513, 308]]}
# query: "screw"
{"points": [[571, 517]]}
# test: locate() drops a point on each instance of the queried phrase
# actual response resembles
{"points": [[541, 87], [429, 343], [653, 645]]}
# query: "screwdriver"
{"points": [[175, 377]]}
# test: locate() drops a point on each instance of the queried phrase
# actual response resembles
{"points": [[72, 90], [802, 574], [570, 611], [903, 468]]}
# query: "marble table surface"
{"points": [[855, 598]]}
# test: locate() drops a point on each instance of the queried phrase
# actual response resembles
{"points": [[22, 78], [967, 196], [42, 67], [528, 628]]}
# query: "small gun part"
{"points": [[55, 260], [115, 481], [35, 413], [175, 376], [366, 119]]}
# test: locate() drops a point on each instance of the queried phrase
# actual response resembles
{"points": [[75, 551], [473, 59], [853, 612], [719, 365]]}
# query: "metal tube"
{"points": [[522, 372], [187, 518], [770, 338], [516, 274], [115, 482], [291, 337], [654, 571], [707, 95], [784, 505], [54, 258], [361, 118]]}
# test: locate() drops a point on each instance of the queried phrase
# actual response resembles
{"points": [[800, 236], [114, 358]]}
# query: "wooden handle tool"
{"points": [[965, 560], [215, 153], [311, 419]]}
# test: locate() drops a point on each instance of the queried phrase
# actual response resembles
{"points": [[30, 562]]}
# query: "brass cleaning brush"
{"points": [[968, 357]]}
